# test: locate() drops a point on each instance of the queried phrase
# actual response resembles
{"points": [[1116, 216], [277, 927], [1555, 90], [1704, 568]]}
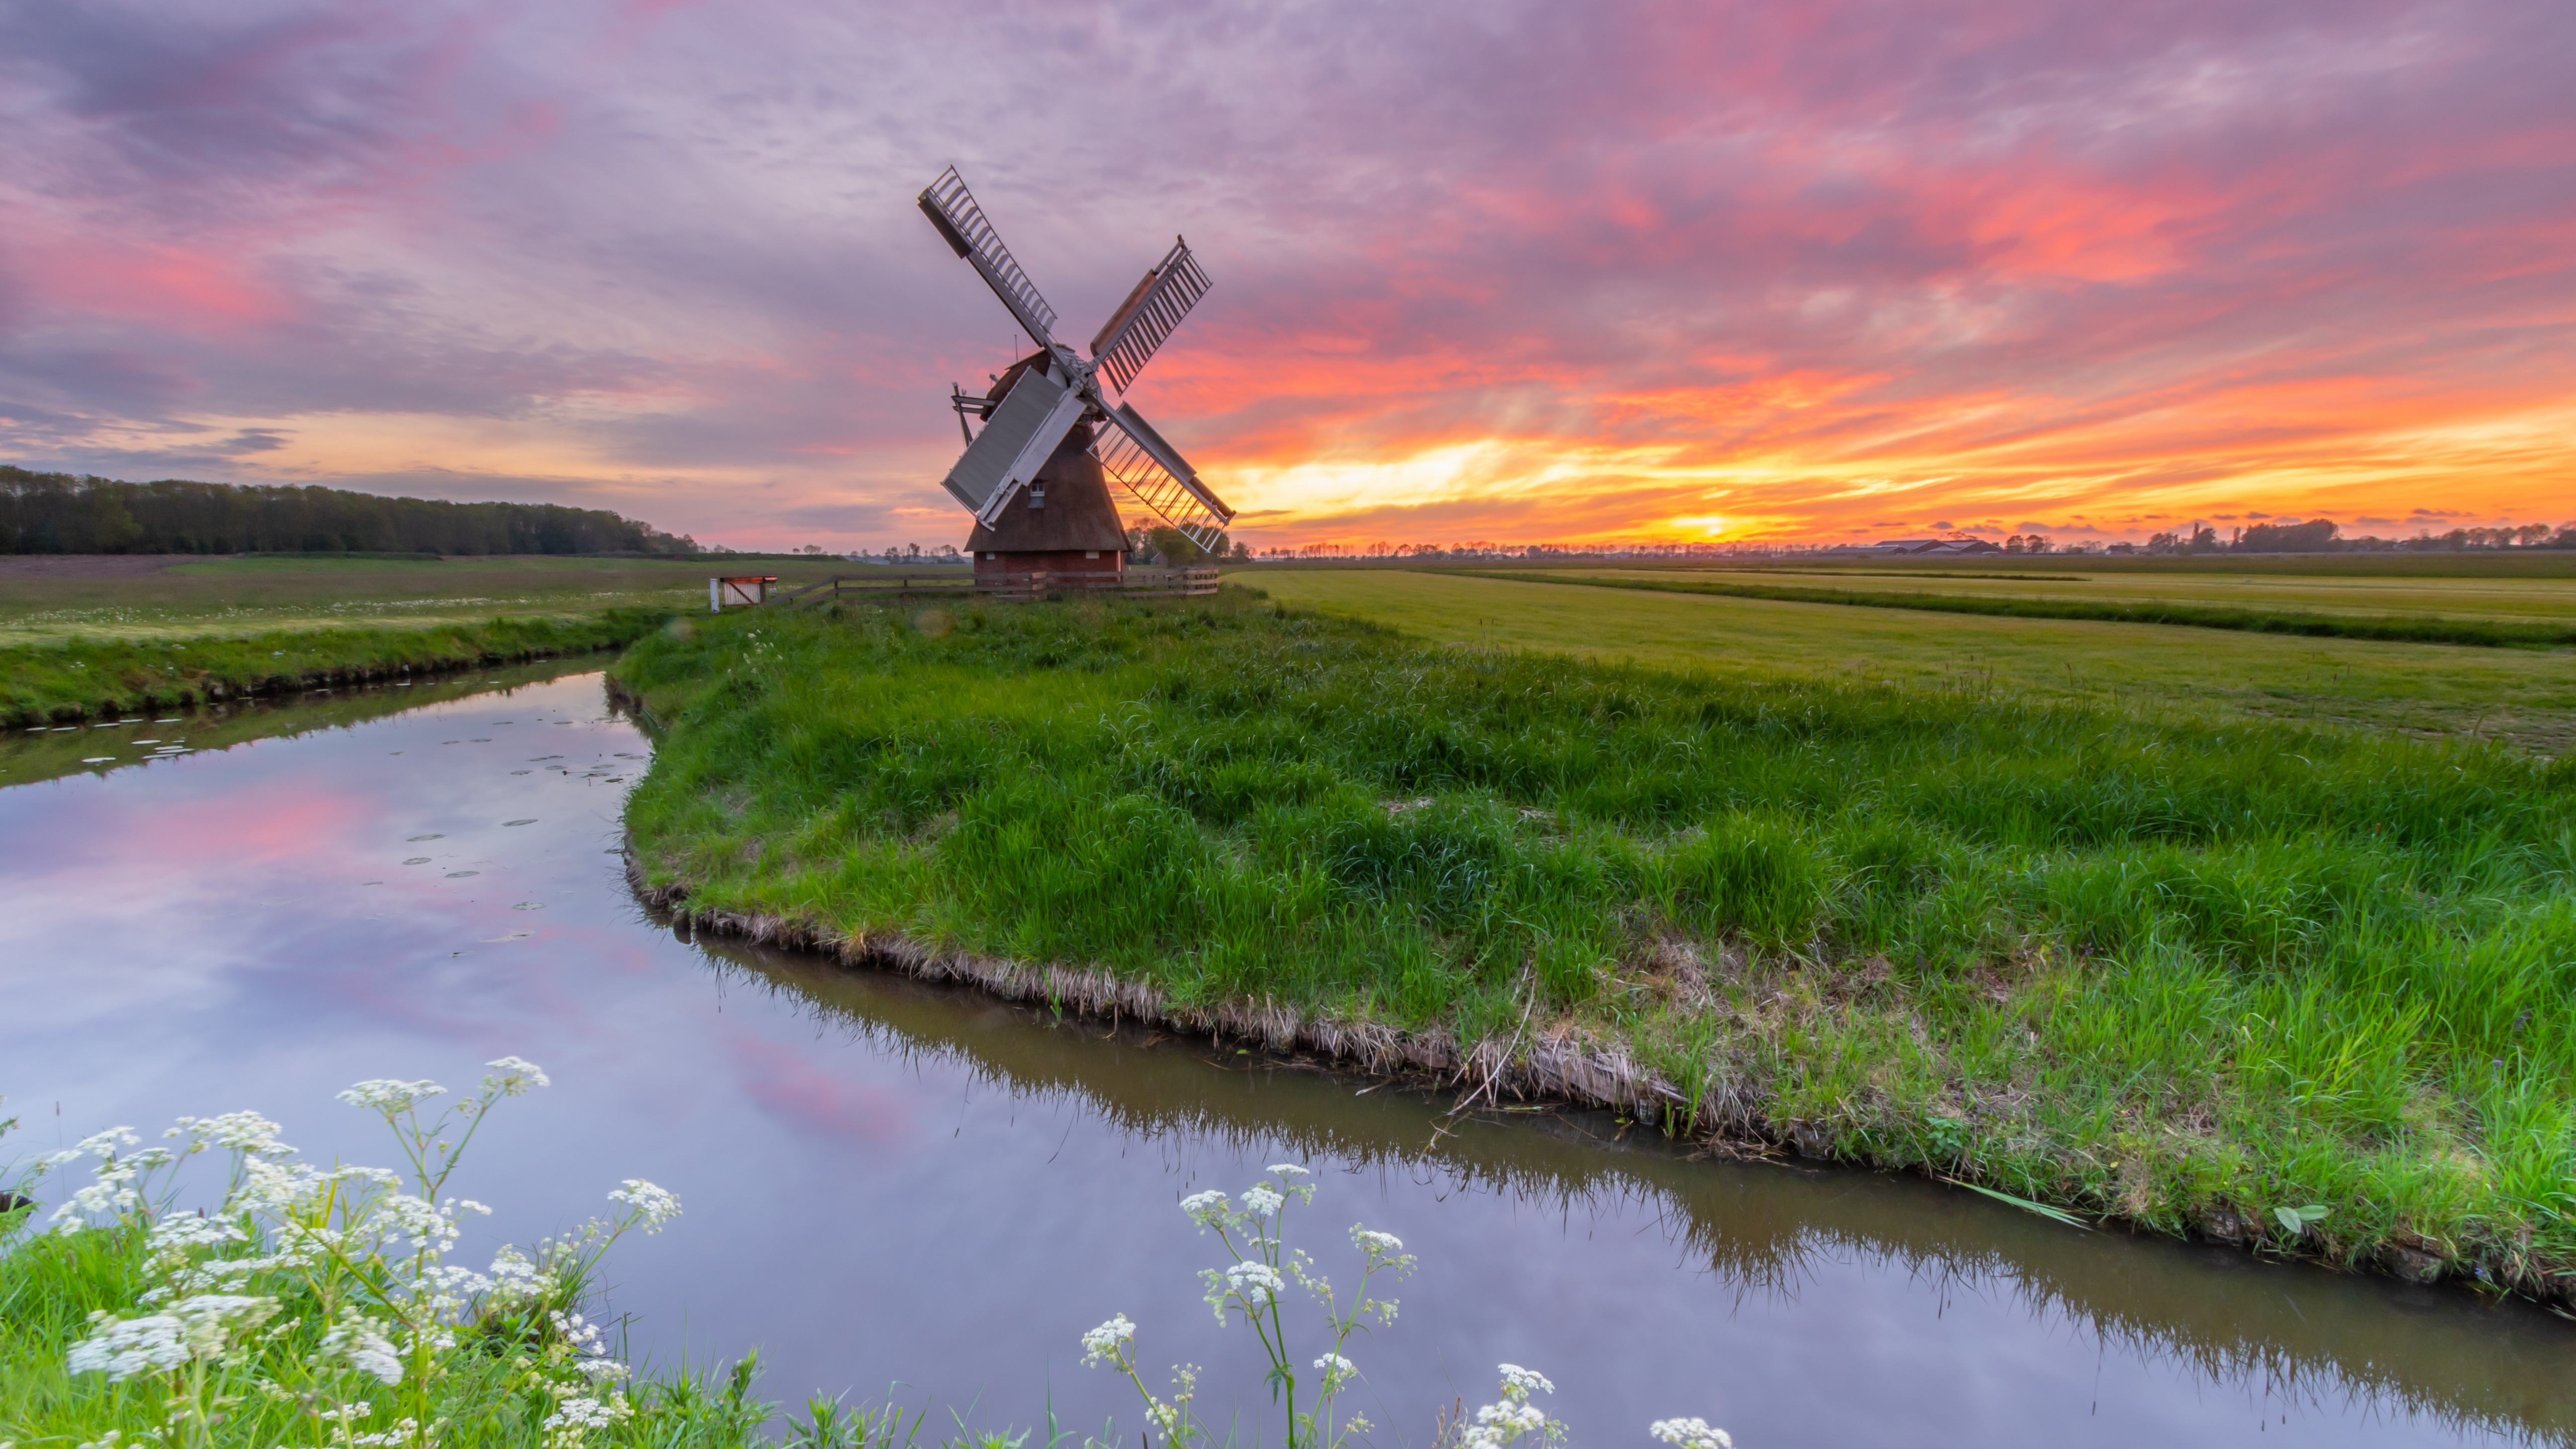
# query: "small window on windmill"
{"points": [[1037, 494]]}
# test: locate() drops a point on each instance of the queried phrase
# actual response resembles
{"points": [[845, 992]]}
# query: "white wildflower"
{"points": [[244, 1132], [362, 1344], [1108, 1341], [202, 1327], [103, 1145], [1244, 1278], [404, 1431], [1512, 1416], [1207, 1209], [1519, 1381], [515, 1075], [1337, 1370], [1289, 1169], [109, 1196], [513, 1278], [346, 1413], [179, 1232], [651, 1205], [577, 1331], [1373, 1242], [390, 1096], [430, 1230], [1261, 1200], [1691, 1434]]}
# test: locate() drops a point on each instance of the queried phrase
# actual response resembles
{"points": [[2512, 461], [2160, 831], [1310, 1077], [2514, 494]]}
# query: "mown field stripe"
{"points": [[2385, 628]]}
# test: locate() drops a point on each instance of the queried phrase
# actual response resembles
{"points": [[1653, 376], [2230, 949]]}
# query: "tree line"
{"points": [[2324, 535], [61, 513]]}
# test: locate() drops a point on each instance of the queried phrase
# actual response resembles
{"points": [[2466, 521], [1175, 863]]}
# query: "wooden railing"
{"points": [[1018, 588]]}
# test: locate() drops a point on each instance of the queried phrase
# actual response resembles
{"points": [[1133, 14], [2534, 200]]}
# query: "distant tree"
{"points": [[61, 513], [2317, 535]]}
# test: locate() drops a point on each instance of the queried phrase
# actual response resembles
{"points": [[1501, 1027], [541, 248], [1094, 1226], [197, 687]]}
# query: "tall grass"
{"points": [[2187, 973], [2393, 628]]}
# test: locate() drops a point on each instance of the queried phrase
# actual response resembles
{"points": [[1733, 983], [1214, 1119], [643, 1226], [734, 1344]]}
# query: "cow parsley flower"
{"points": [[1243, 1278], [1337, 1371], [1517, 1378], [174, 1235], [1207, 1209], [513, 1076], [1289, 1169], [1261, 1200], [1691, 1434], [244, 1132], [651, 1205], [390, 1096], [362, 1344], [1108, 1341], [201, 1327]]}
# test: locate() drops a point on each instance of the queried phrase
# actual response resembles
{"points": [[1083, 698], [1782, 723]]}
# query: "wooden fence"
{"points": [[1017, 588]]}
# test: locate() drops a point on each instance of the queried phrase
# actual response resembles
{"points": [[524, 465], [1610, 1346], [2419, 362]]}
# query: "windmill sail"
{"points": [[1022, 434], [1149, 314], [1153, 472], [952, 209]]}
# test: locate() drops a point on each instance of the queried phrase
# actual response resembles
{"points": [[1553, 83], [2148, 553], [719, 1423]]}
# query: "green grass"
{"points": [[108, 677], [50, 1284], [49, 600], [2183, 971], [2526, 696], [2055, 604], [2500, 597]]}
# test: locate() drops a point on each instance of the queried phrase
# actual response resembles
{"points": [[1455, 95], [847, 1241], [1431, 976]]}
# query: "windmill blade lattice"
{"points": [[1152, 472], [952, 209], [1151, 311]]}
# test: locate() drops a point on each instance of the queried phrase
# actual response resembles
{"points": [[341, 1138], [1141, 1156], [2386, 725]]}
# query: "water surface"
{"points": [[889, 1183]]}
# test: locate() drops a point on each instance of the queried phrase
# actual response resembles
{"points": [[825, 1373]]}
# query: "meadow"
{"points": [[89, 637], [2202, 968], [52, 599], [2525, 696], [2483, 596]]}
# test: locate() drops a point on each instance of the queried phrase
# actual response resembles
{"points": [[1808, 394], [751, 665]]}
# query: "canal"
{"points": [[896, 1188]]}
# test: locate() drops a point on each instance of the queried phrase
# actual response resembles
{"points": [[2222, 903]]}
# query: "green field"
{"points": [[2192, 967], [2526, 696], [47, 599], [2542, 600]]}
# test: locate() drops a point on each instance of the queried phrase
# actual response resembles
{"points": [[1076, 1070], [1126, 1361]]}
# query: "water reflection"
{"points": [[887, 1181], [1771, 1236]]}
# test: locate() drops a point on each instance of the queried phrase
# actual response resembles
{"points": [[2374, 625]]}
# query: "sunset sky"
{"points": [[1492, 270]]}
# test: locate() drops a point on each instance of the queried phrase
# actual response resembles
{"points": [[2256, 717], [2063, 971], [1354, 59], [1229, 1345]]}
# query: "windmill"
{"points": [[1037, 474]]}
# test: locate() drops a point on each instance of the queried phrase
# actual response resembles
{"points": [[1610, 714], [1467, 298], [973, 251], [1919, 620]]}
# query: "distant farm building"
{"points": [[1915, 548]]}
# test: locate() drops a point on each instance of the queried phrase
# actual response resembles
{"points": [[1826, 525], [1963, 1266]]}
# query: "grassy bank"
{"points": [[105, 677], [2190, 974], [2481, 633]]}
